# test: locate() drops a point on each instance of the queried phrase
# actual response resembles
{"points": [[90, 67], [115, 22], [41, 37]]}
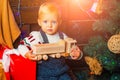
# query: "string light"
{"points": [[20, 19], [19, 14]]}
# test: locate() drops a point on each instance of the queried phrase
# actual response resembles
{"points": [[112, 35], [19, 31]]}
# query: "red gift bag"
{"points": [[21, 68]]}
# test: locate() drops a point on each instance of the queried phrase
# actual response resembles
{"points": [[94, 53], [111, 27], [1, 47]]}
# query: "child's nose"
{"points": [[50, 24]]}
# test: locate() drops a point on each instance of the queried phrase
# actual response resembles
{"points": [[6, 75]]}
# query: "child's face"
{"points": [[49, 23]]}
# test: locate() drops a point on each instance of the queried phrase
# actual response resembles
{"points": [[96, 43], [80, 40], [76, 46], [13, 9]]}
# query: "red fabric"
{"points": [[7, 74], [2, 48], [21, 68], [1, 51]]}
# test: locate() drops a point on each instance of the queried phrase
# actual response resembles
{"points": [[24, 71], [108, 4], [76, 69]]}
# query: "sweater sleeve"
{"points": [[65, 36], [26, 44], [23, 49]]}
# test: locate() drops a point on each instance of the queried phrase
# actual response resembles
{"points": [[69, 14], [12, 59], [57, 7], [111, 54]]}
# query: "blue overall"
{"points": [[52, 69]]}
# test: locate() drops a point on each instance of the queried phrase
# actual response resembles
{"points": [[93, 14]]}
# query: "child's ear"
{"points": [[39, 22]]}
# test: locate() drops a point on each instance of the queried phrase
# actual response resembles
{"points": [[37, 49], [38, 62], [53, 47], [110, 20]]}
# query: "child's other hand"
{"points": [[75, 53], [30, 55]]}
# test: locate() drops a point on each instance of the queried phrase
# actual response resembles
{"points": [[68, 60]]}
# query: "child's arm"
{"points": [[26, 52], [24, 47]]}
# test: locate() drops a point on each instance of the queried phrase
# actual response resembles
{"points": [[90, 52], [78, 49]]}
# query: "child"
{"points": [[49, 18]]}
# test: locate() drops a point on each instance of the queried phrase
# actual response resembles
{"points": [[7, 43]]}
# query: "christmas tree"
{"points": [[107, 25]]}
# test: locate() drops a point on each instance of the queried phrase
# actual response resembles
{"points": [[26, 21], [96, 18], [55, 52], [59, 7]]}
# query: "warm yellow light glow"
{"points": [[84, 4]]}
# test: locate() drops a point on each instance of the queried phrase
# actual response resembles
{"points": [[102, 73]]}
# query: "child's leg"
{"points": [[62, 77], [65, 77]]}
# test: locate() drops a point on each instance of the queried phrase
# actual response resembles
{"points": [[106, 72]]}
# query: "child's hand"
{"points": [[30, 55], [75, 53]]}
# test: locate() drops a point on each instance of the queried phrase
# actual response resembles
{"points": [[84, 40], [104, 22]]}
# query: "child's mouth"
{"points": [[49, 30]]}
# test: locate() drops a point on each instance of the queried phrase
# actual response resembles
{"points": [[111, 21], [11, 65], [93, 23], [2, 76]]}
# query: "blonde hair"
{"points": [[49, 7]]}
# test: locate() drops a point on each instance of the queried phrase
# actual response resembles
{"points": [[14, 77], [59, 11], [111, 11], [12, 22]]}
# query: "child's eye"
{"points": [[45, 21], [54, 22]]}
